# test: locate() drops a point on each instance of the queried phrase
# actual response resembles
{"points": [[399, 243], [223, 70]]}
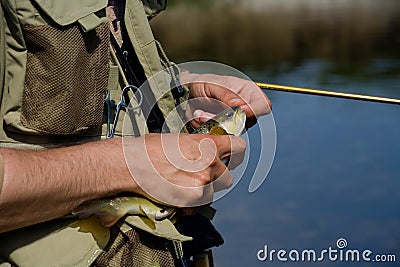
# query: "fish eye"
{"points": [[229, 114]]}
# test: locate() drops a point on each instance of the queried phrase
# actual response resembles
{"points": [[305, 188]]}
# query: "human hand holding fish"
{"points": [[229, 91], [190, 188]]}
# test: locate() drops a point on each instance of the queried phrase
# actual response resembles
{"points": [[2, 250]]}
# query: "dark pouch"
{"points": [[204, 234]]}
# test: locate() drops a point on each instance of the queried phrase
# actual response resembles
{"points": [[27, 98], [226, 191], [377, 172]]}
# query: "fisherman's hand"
{"points": [[180, 169], [231, 91]]}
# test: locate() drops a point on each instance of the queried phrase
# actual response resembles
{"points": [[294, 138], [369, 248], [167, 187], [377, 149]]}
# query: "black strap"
{"points": [[135, 75]]}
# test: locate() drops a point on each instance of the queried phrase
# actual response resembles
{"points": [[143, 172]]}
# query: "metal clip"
{"points": [[121, 104]]}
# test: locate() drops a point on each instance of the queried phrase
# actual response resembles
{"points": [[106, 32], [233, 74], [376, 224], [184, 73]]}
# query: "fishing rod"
{"points": [[292, 89]]}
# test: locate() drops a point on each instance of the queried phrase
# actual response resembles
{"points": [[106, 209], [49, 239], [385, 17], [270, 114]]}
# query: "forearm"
{"points": [[42, 185]]}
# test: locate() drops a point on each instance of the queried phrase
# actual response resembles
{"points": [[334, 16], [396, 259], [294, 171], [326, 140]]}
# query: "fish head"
{"points": [[231, 120]]}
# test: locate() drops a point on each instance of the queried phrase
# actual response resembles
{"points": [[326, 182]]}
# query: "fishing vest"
{"points": [[56, 66]]}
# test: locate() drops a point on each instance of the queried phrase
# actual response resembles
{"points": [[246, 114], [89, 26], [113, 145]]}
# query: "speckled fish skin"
{"points": [[231, 121]]}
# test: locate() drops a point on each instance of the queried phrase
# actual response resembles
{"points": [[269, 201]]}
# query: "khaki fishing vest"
{"points": [[46, 102]]}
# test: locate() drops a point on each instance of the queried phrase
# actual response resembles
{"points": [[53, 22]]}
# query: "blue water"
{"points": [[336, 174]]}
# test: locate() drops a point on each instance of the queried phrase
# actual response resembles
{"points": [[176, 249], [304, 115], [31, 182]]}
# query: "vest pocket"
{"points": [[66, 78]]}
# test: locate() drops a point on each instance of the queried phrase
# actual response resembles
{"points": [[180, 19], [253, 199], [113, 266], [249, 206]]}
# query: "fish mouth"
{"points": [[239, 121], [240, 117]]}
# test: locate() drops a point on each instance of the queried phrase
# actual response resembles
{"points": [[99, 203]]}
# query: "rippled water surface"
{"points": [[336, 172]]}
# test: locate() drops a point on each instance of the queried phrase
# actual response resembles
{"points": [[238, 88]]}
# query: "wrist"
{"points": [[116, 177]]}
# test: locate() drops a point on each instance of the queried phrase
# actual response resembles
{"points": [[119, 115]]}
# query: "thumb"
{"points": [[201, 116]]}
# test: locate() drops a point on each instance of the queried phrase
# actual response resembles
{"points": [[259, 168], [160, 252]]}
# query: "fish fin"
{"points": [[108, 219], [87, 209], [106, 213], [216, 130]]}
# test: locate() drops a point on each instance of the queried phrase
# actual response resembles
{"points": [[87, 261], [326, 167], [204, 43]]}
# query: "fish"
{"points": [[231, 121], [109, 210]]}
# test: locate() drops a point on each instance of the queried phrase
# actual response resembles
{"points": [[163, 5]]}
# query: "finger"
{"points": [[223, 178], [238, 150], [244, 93], [224, 94], [201, 116], [228, 145], [256, 106], [200, 110], [195, 123], [259, 104], [269, 102]]}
